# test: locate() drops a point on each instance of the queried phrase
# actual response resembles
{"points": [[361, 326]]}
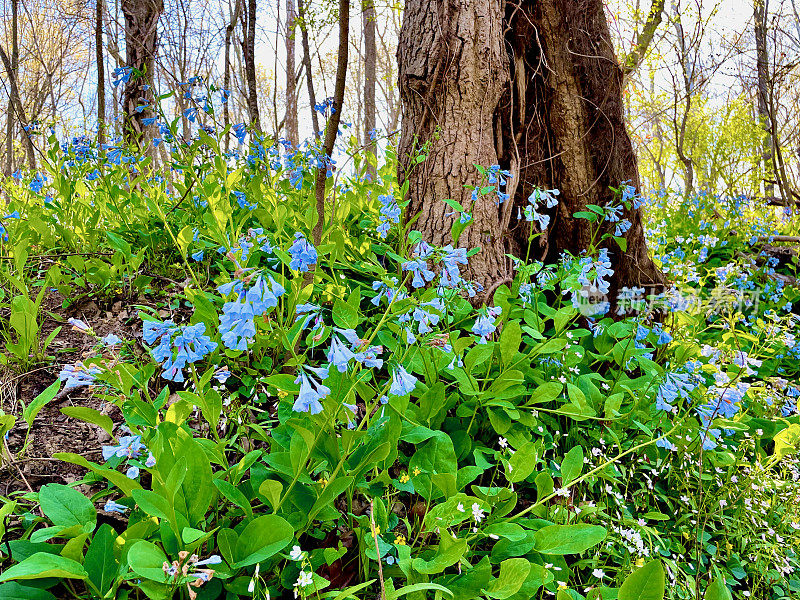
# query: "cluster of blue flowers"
{"points": [[535, 199], [389, 214], [177, 346], [237, 322], [130, 448]]}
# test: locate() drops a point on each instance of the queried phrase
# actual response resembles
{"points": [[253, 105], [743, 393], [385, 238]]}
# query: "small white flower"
{"points": [[460, 507], [296, 553], [599, 573], [304, 579], [502, 442], [477, 512], [562, 492], [642, 522]]}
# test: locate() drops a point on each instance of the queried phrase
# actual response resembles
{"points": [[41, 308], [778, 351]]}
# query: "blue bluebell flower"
{"points": [[130, 446], [115, 507], [303, 253], [311, 392], [419, 268], [403, 382]]}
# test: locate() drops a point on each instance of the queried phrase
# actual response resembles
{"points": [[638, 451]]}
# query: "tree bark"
{"points": [[17, 109], [762, 70], [307, 65], [370, 69], [141, 39], [249, 55], [9, 167], [234, 18], [534, 87], [101, 72], [291, 123], [332, 127]]}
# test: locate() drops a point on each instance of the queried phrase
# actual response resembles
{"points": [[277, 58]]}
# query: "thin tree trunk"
{"points": [[249, 55], [19, 110], [307, 64], [101, 72], [141, 39], [760, 8], [234, 18], [370, 69], [291, 123], [332, 127], [12, 73], [643, 38]]}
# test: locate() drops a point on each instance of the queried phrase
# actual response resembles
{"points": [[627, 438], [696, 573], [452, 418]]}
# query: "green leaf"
{"points": [[90, 415], [572, 465], [523, 462], [646, 583], [147, 560], [329, 494], [42, 565], [513, 573], [435, 456], [786, 441], [344, 315], [99, 562], [568, 539], [510, 339], [546, 392], [16, 591], [185, 238], [271, 490], [125, 484], [38, 403], [448, 553], [261, 538], [67, 507], [153, 504], [233, 494], [717, 590]]}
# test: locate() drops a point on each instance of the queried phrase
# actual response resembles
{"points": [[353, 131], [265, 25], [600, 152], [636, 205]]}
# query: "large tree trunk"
{"points": [[141, 38], [533, 86], [762, 70]]}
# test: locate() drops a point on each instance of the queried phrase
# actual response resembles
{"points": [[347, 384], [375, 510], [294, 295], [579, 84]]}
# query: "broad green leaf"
{"points": [[568, 539], [261, 538], [435, 456], [513, 573], [100, 563], [448, 553], [717, 590], [147, 560], [271, 490], [67, 507], [787, 440], [153, 504], [42, 565], [522, 462], [545, 393], [510, 339], [572, 465], [16, 591], [646, 583]]}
